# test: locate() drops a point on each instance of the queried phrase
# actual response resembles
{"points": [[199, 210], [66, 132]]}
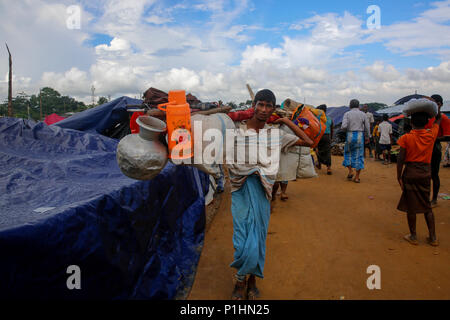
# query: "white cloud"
{"points": [[428, 31], [117, 46], [382, 73], [215, 61], [158, 20]]}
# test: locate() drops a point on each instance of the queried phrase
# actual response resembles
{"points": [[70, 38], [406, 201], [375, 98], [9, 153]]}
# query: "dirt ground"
{"points": [[323, 239]]}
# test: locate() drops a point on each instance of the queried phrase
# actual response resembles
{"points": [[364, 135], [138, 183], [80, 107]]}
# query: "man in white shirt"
{"points": [[385, 130], [371, 120], [357, 126]]}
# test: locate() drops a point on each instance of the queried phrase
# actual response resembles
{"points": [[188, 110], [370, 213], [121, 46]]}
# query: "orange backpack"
{"points": [[315, 125]]}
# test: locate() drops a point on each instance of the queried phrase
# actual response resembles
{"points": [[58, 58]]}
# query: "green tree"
{"points": [[52, 102], [102, 100]]}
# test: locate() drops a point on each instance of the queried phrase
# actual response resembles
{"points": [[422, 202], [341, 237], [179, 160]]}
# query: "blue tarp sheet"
{"points": [[101, 118], [337, 114], [64, 202]]}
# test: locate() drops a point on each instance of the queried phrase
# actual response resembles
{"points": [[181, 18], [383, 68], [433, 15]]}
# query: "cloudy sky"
{"points": [[314, 51]]}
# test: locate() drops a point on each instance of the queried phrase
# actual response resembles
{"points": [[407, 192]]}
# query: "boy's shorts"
{"points": [[385, 147]]}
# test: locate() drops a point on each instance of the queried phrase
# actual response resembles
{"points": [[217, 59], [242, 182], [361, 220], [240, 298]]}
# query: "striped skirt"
{"points": [[354, 150]]}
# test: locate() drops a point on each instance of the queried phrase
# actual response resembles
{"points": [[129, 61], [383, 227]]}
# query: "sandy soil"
{"points": [[322, 240]]}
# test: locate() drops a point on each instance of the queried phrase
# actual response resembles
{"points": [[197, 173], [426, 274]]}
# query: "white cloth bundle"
{"points": [[421, 105]]}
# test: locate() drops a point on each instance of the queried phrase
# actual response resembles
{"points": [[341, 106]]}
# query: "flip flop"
{"points": [[434, 243], [253, 293], [357, 181], [412, 241], [349, 177]]}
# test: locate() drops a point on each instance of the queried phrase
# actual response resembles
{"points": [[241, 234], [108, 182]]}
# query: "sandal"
{"points": [[412, 241], [434, 243], [357, 181], [349, 177]]}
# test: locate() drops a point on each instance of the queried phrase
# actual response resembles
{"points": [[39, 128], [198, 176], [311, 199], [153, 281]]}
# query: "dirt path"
{"points": [[322, 240]]}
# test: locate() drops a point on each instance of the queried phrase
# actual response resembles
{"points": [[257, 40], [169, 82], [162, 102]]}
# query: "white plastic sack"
{"points": [[421, 105], [288, 164], [305, 169], [287, 170], [220, 121]]}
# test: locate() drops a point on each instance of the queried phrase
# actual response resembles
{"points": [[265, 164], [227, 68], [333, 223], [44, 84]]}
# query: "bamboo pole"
{"points": [[10, 109]]}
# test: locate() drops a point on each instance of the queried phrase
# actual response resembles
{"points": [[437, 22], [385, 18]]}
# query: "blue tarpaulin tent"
{"points": [[64, 202], [100, 119]]}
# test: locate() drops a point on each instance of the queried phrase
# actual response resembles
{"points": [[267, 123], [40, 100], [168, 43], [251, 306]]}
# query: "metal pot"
{"points": [[141, 156]]}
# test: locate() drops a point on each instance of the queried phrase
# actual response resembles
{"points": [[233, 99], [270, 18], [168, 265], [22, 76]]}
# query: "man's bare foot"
{"points": [[433, 241], [411, 239], [252, 290], [239, 291], [434, 203], [284, 196]]}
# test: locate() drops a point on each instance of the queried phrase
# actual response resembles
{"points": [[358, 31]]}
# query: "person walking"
{"points": [[324, 146], [357, 126], [385, 130], [368, 145], [414, 174], [376, 139], [443, 135], [251, 191]]}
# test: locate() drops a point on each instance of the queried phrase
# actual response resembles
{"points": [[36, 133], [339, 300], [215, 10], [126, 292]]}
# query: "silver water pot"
{"points": [[141, 156]]}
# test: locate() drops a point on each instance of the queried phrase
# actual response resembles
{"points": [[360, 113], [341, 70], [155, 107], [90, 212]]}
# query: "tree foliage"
{"points": [[52, 102]]}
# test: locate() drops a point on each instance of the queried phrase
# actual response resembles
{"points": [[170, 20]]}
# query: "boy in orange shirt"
{"points": [[415, 180]]}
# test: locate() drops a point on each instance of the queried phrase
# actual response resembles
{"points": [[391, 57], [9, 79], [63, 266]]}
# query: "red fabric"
{"points": [[444, 127], [242, 115], [248, 114], [52, 118], [273, 118], [133, 125], [396, 118]]}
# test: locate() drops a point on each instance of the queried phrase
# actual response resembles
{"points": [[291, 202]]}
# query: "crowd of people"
{"points": [[252, 191]]}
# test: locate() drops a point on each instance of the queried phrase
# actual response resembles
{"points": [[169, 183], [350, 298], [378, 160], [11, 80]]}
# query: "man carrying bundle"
{"points": [[251, 189], [414, 174]]}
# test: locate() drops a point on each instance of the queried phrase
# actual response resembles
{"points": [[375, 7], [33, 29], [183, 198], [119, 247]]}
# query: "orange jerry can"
{"points": [[178, 119]]}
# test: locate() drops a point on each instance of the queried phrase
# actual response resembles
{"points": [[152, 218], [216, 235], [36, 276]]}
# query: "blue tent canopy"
{"points": [[65, 202], [102, 118], [337, 114]]}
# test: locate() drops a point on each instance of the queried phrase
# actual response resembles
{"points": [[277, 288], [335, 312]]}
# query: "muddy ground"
{"points": [[323, 239]]}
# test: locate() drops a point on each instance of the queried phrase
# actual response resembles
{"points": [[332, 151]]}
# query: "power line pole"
{"points": [[10, 110], [40, 102], [93, 96], [24, 96]]}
